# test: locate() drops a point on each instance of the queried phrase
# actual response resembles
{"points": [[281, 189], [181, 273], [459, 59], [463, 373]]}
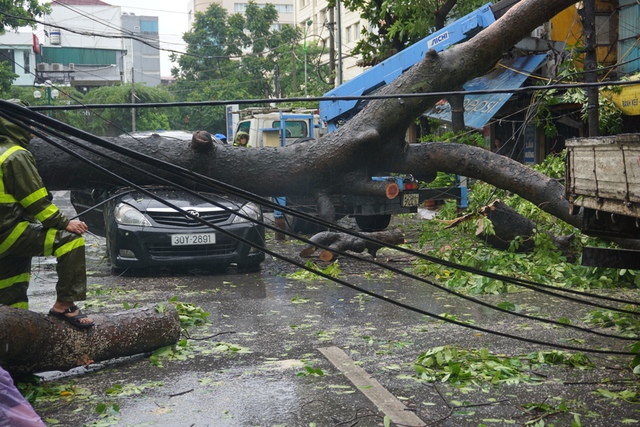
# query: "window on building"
{"points": [[149, 26], [284, 8], [281, 8], [26, 60], [6, 55]]}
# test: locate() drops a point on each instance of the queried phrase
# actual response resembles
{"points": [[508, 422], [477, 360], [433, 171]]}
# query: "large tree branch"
{"points": [[368, 143], [503, 172]]}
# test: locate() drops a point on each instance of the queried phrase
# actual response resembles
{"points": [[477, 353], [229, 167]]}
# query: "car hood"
{"points": [[144, 202]]}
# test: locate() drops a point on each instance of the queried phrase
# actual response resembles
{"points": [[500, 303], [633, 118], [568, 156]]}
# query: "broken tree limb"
{"points": [[341, 242], [508, 224], [31, 342]]}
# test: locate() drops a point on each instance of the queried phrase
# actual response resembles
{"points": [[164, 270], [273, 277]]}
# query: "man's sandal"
{"points": [[74, 320]]}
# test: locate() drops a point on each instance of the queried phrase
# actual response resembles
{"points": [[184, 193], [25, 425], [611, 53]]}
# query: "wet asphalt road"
{"points": [[257, 362]]}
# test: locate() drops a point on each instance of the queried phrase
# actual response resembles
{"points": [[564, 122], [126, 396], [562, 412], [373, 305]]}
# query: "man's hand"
{"points": [[77, 226]]}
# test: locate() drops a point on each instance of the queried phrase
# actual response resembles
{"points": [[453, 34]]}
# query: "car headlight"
{"points": [[249, 210], [128, 215]]}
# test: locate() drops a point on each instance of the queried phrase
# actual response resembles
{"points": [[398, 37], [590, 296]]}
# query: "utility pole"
{"points": [[293, 67], [276, 78], [332, 43], [588, 15], [339, 41], [133, 101], [306, 26]]}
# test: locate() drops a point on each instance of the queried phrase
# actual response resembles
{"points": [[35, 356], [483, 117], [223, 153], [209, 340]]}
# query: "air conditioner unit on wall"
{"points": [[72, 66], [57, 67], [43, 66]]}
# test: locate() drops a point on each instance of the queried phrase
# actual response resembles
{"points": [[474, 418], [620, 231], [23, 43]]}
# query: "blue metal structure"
{"points": [[479, 109], [334, 112]]}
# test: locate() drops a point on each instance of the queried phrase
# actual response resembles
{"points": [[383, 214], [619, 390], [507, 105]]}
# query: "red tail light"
{"points": [[410, 185]]}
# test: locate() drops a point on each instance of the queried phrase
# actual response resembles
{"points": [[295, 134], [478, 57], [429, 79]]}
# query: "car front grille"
{"points": [[176, 219], [161, 250]]}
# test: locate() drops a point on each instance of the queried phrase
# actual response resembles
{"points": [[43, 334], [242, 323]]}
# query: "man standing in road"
{"points": [[30, 225]]}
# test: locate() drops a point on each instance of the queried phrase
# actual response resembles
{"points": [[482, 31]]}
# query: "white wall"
{"points": [[22, 46], [104, 20]]}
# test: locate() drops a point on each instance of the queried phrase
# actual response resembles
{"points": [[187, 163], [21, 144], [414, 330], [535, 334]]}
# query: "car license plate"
{"points": [[193, 239], [410, 199]]}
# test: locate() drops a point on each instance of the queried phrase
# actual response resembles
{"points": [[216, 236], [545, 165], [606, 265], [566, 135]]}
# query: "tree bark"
{"points": [[341, 242], [31, 342], [509, 224]]}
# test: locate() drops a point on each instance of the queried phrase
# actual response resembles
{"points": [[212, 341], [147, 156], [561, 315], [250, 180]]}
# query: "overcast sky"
{"points": [[172, 23]]}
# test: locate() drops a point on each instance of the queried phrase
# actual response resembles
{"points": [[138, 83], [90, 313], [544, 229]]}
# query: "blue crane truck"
{"points": [[372, 213]]}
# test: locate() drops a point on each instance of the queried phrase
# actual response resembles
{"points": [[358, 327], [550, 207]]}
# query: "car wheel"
{"points": [[373, 222]]}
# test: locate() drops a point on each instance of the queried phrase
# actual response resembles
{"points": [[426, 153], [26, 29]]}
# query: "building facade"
{"points": [[328, 25], [19, 51], [91, 43], [143, 54], [337, 27], [285, 9]]}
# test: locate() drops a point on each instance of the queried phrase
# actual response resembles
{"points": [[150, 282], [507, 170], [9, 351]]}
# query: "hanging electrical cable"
{"points": [[270, 252], [221, 186]]}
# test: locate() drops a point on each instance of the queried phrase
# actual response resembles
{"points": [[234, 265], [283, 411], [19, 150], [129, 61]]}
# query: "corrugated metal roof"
{"points": [[79, 55], [479, 109]]}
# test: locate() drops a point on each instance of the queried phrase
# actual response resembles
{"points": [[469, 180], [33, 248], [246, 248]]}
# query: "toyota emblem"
{"points": [[193, 213]]}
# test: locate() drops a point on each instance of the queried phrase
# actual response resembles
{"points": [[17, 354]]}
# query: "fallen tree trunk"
{"points": [[31, 342], [341, 242], [371, 142], [509, 225]]}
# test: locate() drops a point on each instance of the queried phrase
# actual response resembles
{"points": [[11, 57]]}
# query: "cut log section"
{"points": [[31, 342], [509, 224], [341, 242]]}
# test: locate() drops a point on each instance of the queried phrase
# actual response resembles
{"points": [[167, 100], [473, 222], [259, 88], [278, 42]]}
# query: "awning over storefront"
{"points": [[479, 109]]}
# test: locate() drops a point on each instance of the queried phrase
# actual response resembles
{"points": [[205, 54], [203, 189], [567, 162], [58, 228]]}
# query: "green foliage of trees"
{"points": [[114, 122], [572, 71], [15, 13], [6, 77], [66, 96], [241, 57], [395, 25], [19, 13], [546, 264]]}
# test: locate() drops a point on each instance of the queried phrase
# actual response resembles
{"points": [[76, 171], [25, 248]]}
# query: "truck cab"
{"points": [[265, 126]]}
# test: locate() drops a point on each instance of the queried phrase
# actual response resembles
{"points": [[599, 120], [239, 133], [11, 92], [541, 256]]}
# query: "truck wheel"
{"points": [[373, 222], [299, 225]]}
